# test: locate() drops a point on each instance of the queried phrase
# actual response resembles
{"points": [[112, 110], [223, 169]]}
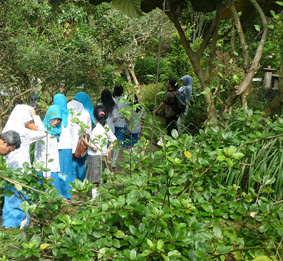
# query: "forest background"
{"points": [[215, 191]]}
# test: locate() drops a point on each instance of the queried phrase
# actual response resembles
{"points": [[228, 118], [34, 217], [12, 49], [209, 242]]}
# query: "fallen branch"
{"points": [[20, 184]]}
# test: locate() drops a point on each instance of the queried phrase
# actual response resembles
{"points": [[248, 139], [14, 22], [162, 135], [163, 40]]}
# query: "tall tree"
{"points": [[202, 58]]}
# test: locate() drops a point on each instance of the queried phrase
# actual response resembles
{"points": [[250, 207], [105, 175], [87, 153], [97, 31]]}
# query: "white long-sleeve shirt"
{"points": [[99, 138]]}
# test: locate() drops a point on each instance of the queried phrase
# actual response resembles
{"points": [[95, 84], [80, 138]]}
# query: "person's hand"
{"points": [[32, 111], [108, 157]]}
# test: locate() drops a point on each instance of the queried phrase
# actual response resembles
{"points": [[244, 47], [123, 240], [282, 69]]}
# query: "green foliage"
{"points": [[148, 93], [146, 69], [178, 59], [178, 203]]}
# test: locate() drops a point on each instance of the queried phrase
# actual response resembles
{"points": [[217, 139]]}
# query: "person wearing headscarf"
{"points": [[81, 110], [19, 120], [64, 147], [46, 150], [186, 88], [85, 100]]}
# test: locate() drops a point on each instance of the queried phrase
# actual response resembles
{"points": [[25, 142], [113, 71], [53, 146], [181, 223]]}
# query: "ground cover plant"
{"points": [[208, 197]]}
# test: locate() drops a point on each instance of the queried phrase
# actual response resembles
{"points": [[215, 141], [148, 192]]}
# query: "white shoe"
{"points": [[94, 193]]}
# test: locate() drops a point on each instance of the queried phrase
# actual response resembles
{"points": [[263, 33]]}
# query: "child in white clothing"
{"points": [[98, 152]]}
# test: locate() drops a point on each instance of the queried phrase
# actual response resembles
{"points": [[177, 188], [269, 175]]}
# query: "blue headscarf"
{"points": [[61, 101], [85, 100], [188, 80], [53, 112]]}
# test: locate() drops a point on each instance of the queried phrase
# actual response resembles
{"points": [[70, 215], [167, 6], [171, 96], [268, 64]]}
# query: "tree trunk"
{"points": [[277, 101], [244, 98], [1, 124], [195, 58], [250, 72], [128, 75], [132, 70]]}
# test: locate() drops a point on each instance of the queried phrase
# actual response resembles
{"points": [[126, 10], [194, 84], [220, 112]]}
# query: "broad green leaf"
{"points": [[171, 172], [175, 134], [257, 27], [104, 207], [149, 242], [217, 231], [188, 154], [119, 234], [221, 158], [160, 244], [18, 187], [44, 246], [222, 249], [230, 162], [101, 253], [146, 252], [133, 254]]}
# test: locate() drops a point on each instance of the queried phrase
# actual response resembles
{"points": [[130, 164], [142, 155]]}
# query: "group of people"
{"points": [[173, 119], [107, 125], [57, 137]]}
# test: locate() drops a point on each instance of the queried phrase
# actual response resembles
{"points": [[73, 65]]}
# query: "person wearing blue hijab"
{"points": [[47, 151], [65, 147], [187, 82], [85, 100], [52, 121], [60, 100]]}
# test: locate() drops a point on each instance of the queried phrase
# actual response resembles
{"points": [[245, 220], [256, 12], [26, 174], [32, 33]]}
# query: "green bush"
{"points": [[146, 69], [182, 202], [148, 94]]}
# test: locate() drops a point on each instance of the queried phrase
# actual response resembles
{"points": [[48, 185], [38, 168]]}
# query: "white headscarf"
{"points": [[19, 116], [17, 119], [75, 106]]}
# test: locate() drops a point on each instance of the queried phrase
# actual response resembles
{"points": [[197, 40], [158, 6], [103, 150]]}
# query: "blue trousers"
{"points": [[78, 168], [13, 214], [66, 172]]}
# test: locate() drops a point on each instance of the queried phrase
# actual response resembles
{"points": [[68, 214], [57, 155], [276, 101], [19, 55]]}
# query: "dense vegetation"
{"points": [[212, 193]]}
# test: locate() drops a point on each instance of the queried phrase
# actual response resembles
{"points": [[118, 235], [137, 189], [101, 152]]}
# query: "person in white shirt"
{"points": [[81, 109], [19, 121], [120, 121], [46, 150], [135, 124], [65, 146], [110, 109], [99, 152]]}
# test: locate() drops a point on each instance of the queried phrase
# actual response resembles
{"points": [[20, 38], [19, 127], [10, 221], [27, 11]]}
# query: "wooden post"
{"points": [[268, 77]]}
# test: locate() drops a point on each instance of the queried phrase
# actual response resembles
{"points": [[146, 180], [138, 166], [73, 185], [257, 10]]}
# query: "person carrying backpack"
{"points": [[186, 91], [169, 103]]}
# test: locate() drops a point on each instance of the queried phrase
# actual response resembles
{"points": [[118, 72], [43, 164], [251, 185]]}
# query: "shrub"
{"points": [[146, 69], [182, 202], [148, 93]]}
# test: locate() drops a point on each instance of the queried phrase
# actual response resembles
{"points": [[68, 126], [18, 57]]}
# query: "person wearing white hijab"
{"points": [[77, 112], [19, 119]]}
